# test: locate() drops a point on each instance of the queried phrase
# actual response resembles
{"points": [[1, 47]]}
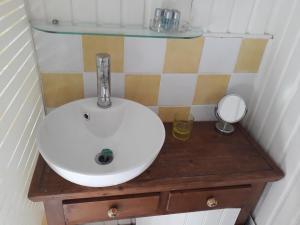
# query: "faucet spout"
{"points": [[103, 80]]}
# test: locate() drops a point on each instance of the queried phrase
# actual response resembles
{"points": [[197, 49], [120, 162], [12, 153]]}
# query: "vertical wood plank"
{"points": [[277, 193], [148, 14], [71, 11], [201, 13], [20, 104], [84, 12], [279, 26], [54, 212], [149, 9], [260, 16], [132, 12], [289, 207], [37, 9], [58, 9], [213, 15], [279, 59], [287, 118], [109, 12], [240, 16], [221, 15]]}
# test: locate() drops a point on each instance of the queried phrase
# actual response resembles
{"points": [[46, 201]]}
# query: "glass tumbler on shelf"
{"points": [[156, 24], [169, 16], [182, 126]]}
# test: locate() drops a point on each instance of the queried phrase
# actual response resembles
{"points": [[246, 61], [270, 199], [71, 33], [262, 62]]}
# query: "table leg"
{"points": [[54, 212]]}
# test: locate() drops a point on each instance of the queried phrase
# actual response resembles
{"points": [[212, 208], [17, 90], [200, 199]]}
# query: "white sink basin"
{"points": [[69, 142]]}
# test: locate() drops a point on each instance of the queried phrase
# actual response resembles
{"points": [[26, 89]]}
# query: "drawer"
{"points": [[204, 199], [89, 210]]}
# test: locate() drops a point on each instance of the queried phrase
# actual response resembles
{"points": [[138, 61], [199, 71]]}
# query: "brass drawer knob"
{"points": [[112, 212], [212, 202]]}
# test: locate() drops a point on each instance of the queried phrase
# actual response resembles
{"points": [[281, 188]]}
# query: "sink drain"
{"points": [[104, 157]]}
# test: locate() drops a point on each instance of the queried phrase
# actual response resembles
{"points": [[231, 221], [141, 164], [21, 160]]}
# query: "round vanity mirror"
{"points": [[231, 109]]}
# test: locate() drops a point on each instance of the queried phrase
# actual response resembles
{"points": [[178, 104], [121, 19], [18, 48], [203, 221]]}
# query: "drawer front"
{"points": [[194, 200], [89, 211]]}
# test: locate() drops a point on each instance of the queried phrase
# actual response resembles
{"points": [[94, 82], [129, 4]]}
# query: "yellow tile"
{"points": [[183, 56], [210, 89], [167, 114], [61, 88], [93, 44], [250, 55], [142, 88]]}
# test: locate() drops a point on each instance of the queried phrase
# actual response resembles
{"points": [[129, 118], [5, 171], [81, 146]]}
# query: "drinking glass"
{"points": [[182, 126]]}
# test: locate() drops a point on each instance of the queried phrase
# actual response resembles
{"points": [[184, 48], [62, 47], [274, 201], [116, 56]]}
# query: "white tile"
{"points": [[59, 52], [219, 55], [90, 84], [177, 89], [203, 112], [242, 85], [117, 85], [144, 55]]}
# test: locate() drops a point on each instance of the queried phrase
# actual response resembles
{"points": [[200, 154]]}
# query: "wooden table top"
{"points": [[208, 159]]}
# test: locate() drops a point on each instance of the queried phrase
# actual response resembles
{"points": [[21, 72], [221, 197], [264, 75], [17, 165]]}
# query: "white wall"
{"points": [[274, 117], [20, 112]]}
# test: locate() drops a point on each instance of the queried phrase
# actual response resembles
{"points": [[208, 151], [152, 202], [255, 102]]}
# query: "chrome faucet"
{"points": [[103, 80]]}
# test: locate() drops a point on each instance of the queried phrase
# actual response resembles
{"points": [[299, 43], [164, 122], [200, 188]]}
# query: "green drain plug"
{"points": [[105, 157]]}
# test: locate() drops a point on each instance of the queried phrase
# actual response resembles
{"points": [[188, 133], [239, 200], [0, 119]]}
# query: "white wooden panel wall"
{"points": [[274, 117], [217, 16], [21, 110]]}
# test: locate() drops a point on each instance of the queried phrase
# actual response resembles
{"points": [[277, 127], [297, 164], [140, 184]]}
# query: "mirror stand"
{"points": [[224, 127]]}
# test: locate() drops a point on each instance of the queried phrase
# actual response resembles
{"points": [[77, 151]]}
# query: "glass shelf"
{"points": [[128, 31]]}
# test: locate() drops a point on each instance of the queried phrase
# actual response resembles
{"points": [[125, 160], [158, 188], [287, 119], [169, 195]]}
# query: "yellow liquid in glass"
{"points": [[182, 130]]}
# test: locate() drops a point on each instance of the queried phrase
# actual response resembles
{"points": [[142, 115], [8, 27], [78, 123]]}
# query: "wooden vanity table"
{"points": [[209, 171]]}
